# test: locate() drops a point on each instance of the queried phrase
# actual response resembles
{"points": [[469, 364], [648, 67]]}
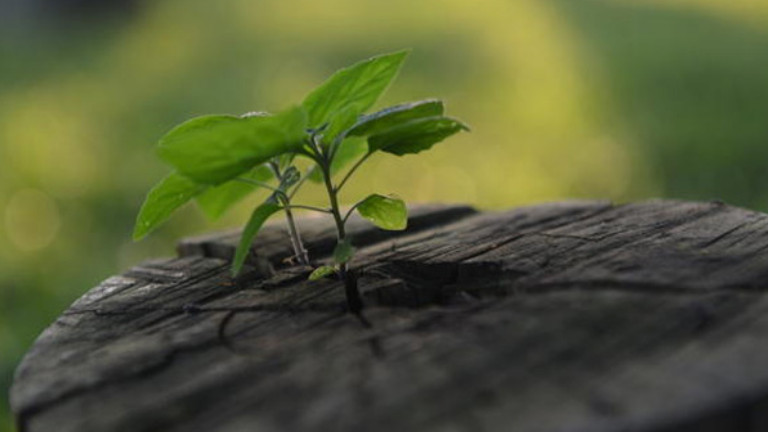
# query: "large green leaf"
{"points": [[214, 149], [258, 217], [349, 150], [162, 200], [218, 199], [385, 212], [415, 135], [388, 118], [359, 85]]}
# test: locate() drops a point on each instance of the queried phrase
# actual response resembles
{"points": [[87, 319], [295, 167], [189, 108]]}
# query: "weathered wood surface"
{"points": [[578, 316]]}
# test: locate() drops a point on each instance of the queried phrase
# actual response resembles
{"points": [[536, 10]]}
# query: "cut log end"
{"points": [[576, 316]]}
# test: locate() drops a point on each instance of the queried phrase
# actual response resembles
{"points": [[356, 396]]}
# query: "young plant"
{"points": [[220, 159]]}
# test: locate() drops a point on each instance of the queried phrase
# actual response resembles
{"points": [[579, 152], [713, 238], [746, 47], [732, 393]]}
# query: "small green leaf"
{"points": [[162, 200], [258, 217], [415, 135], [218, 199], [360, 85], [349, 150], [385, 212], [388, 118], [343, 252], [321, 272], [214, 149]]}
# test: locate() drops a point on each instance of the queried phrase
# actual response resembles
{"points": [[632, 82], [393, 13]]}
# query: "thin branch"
{"points": [[352, 170], [293, 230], [306, 207], [351, 209], [275, 168]]}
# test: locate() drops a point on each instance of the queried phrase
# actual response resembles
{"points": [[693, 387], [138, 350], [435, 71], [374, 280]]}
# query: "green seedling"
{"points": [[220, 159]]}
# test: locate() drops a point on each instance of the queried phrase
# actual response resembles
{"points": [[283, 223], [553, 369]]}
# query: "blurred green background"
{"points": [[619, 99]]}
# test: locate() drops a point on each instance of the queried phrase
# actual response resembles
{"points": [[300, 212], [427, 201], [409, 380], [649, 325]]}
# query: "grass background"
{"points": [[617, 99]]}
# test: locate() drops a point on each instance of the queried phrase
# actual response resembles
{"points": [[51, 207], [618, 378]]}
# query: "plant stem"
{"points": [[354, 303], [293, 230], [306, 207], [351, 209]]}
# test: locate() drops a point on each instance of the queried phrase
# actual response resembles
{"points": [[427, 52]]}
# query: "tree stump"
{"points": [[575, 316]]}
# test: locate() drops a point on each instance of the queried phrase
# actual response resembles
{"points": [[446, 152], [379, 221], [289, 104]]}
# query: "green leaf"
{"points": [[217, 200], [388, 118], [349, 150], [214, 149], [258, 217], [162, 200], [321, 272], [339, 123], [415, 135], [343, 252], [284, 159], [359, 85], [385, 212]]}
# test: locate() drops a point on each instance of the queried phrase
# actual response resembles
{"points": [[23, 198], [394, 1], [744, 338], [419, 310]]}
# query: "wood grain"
{"points": [[574, 316]]}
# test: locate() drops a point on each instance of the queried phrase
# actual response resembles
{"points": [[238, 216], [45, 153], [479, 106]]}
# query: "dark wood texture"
{"points": [[576, 316]]}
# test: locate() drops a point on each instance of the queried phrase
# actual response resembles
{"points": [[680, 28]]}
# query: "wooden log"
{"points": [[576, 316]]}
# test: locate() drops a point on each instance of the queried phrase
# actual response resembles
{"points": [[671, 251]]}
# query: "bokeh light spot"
{"points": [[32, 220]]}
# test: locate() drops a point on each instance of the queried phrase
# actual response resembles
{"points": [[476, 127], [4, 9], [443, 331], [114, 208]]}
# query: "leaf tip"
{"points": [[141, 228], [403, 51], [400, 55], [460, 124]]}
